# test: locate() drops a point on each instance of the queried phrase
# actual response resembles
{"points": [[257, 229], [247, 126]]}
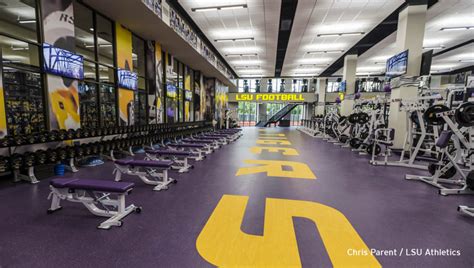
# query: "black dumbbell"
{"points": [[28, 160], [40, 157], [16, 161], [52, 156], [3, 163], [71, 134]]}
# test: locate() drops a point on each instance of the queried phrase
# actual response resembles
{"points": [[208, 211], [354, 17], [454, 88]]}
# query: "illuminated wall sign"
{"points": [[272, 97]]}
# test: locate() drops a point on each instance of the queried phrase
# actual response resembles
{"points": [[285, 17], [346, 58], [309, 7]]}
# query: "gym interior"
{"points": [[237, 133]]}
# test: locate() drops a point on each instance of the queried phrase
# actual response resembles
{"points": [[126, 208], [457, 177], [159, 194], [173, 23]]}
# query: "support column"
{"points": [[321, 91], [262, 111], [410, 34], [349, 76]]}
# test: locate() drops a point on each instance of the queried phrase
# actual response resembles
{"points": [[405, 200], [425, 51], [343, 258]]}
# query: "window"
{"points": [[332, 86], [84, 31], [97, 93], [19, 53], [18, 18], [24, 101], [105, 40], [88, 101], [139, 67]]}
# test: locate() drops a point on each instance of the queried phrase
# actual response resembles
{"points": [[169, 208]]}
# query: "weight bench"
{"points": [[197, 150], [96, 196], [213, 144], [179, 158], [150, 172]]}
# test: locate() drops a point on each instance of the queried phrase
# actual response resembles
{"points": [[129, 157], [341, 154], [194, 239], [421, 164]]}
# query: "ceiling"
{"points": [[314, 17], [446, 13], [259, 21]]}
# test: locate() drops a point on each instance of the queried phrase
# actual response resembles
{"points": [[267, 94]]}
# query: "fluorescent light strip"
{"points": [[19, 48], [314, 65], [241, 55], [467, 60], [247, 67], [380, 63], [340, 34], [461, 28], [234, 39], [103, 45], [434, 48], [204, 9], [324, 52], [26, 21]]}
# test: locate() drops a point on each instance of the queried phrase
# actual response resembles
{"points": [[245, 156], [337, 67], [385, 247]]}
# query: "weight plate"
{"points": [[464, 115], [430, 114]]}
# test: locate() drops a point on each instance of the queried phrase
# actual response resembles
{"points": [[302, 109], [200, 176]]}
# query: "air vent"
{"points": [[285, 25]]}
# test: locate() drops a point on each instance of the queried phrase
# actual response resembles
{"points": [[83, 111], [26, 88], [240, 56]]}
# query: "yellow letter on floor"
{"points": [[222, 242], [274, 168], [273, 142], [283, 150]]}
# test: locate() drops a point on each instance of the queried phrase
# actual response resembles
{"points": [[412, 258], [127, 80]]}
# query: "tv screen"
{"points": [[127, 79], [61, 62], [397, 65], [426, 62], [171, 91]]}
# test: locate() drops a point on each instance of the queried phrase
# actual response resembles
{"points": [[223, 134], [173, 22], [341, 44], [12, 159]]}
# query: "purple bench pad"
{"points": [[93, 185], [145, 163], [168, 152]]}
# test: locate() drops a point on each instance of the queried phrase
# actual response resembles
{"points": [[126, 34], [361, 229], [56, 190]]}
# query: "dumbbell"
{"points": [[62, 134], [16, 161], [92, 132], [28, 160], [78, 151], [52, 156], [40, 157], [41, 137], [3, 163], [71, 134], [70, 152], [86, 149], [30, 139], [53, 135], [18, 140], [5, 142], [78, 133]]}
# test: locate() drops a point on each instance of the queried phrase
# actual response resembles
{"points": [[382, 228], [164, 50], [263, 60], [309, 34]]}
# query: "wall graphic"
{"points": [[159, 83], [197, 96], [124, 61], [3, 114], [58, 29], [220, 102], [210, 88], [188, 96]]}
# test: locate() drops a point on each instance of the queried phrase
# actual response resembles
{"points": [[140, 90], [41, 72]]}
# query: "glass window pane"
{"points": [[106, 74], [89, 70], [108, 112], [23, 101], [88, 104], [18, 18], [105, 40], [84, 31], [18, 53], [138, 55]]}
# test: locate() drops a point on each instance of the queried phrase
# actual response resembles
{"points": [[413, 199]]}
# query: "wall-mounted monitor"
{"points": [[127, 79], [171, 91], [397, 65], [426, 59], [61, 62]]}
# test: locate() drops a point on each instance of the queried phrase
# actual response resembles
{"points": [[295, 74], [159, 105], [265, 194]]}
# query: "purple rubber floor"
{"points": [[387, 211]]}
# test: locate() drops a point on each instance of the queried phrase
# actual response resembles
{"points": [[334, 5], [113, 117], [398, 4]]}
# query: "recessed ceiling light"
{"points": [[340, 34], [204, 9], [461, 28], [234, 39], [324, 52]]}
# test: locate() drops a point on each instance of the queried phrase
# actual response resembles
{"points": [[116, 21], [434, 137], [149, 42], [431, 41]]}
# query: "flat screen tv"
{"points": [[426, 59], [397, 65], [127, 79], [61, 62]]}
